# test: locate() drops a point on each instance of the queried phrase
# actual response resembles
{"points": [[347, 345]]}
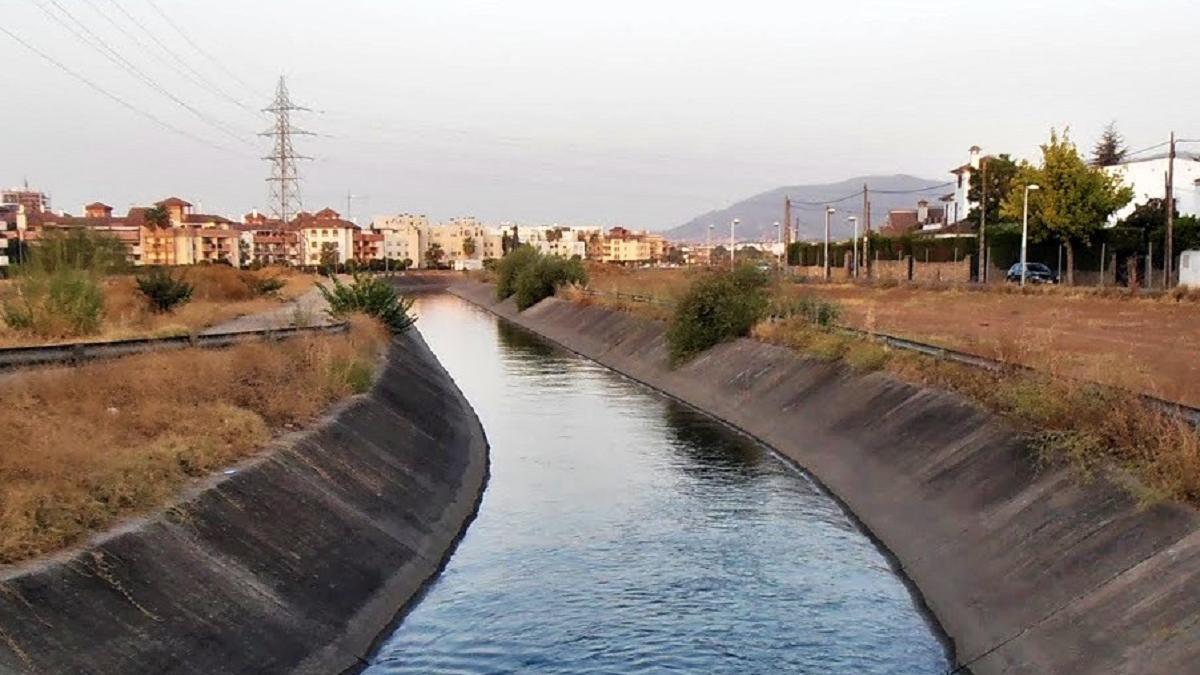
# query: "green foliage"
{"points": [[510, 266], [371, 296], [817, 311], [1001, 170], [1110, 149], [468, 246], [65, 303], [264, 285], [57, 291], [1074, 200], [328, 262], [163, 290], [539, 280], [157, 216], [77, 249], [717, 307], [434, 255]]}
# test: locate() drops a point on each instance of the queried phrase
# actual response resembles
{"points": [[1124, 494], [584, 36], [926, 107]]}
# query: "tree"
{"points": [[1001, 170], [1110, 149], [329, 257], [1149, 216], [1073, 200], [434, 255], [468, 246], [157, 217]]}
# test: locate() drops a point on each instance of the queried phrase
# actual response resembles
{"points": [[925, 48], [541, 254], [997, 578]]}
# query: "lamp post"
{"points": [[1025, 235], [711, 227], [854, 256], [732, 226], [829, 211], [779, 239]]}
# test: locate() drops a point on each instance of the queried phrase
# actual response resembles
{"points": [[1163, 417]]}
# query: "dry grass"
{"points": [[1068, 416], [221, 293], [87, 446]]}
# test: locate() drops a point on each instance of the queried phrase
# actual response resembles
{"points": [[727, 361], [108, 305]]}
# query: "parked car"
{"points": [[1035, 273]]}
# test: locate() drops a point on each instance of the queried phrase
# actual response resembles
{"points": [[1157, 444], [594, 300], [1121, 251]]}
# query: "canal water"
{"points": [[622, 532]]}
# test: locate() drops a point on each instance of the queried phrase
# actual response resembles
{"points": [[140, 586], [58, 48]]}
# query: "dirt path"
{"points": [[308, 309]]}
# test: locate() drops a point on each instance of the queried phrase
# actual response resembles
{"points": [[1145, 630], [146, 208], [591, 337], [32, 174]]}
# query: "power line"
{"points": [[203, 52], [176, 64], [101, 90], [97, 43], [858, 193]]}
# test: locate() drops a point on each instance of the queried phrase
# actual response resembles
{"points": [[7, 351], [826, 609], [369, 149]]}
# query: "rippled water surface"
{"points": [[622, 532]]}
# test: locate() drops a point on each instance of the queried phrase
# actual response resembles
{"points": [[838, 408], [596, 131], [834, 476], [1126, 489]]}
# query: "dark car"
{"points": [[1035, 273]]}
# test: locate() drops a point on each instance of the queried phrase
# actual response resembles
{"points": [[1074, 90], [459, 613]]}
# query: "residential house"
{"points": [[922, 218], [959, 205], [1147, 176]]}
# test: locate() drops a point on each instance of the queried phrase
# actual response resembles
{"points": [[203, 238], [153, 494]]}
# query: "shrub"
{"points": [[264, 285], [509, 267], [371, 296], [163, 290], [64, 303], [716, 308], [543, 277]]}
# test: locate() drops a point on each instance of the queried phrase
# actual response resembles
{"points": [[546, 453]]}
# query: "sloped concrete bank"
{"points": [[1027, 571], [294, 562]]}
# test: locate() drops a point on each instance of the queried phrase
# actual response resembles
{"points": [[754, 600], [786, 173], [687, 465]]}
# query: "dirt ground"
{"points": [[1150, 345], [1142, 344]]}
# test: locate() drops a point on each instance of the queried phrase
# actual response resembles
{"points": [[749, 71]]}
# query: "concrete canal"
{"points": [[623, 532]]}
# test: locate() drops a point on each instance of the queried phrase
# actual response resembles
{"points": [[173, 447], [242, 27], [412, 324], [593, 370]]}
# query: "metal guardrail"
{"points": [[1173, 408], [78, 352]]}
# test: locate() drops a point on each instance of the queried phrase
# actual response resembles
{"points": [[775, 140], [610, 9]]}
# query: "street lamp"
{"points": [[829, 211], [1025, 234], [854, 256], [779, 240], [711, 227], [732, 226]]}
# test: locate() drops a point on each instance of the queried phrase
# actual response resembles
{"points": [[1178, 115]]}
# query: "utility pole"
{"points": [[1168, 245], [867, 227], [983, 262], [787, 227], [828, 272], [284, 179]]}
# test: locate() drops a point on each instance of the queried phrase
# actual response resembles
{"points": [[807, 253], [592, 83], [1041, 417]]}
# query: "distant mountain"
{"points": [[759, 213]]}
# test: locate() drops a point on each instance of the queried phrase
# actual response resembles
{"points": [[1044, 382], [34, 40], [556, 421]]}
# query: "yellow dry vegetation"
{"points": [[220, 293], [84, 447]]}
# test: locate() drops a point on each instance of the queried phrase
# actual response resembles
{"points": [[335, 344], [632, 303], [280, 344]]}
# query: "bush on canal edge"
{"points": [[530, 277], [717, 307]]}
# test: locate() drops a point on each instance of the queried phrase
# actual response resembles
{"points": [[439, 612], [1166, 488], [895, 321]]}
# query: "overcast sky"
{"points": [[643, 113]]}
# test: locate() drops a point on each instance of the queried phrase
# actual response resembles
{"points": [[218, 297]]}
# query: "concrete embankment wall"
{"points": [[1027, 571], [293, 563]]}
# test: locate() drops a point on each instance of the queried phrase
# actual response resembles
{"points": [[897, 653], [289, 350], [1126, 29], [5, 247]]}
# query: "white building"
{"points": [[1148, 178], [959, 205]]}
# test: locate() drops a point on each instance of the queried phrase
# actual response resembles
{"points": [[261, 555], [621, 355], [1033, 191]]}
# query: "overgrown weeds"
{"points": [[85, 447]]}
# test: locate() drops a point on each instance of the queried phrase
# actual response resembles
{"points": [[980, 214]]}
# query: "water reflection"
{"points": [[624, 532]]}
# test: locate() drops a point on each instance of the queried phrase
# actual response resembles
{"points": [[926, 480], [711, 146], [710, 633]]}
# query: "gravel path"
{"points": [[311, 306]]}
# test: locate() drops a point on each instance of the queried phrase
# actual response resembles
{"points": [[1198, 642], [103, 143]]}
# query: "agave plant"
{"points": [[371, 296]]}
